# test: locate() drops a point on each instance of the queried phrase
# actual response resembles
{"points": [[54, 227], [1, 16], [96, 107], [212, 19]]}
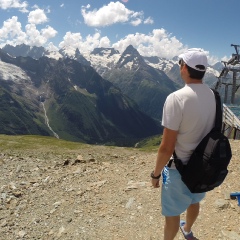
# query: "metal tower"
{"points": [[231, 67]]}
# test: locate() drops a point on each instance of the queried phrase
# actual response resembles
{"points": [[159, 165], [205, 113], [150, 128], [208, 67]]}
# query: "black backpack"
{"points": [[207, 166]]}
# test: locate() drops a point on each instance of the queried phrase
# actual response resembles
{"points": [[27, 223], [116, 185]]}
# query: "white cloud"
{"points": [[39, 38], [104, 42], [114, 12], [86, 45], [225, 58], [48, 32], [35, 6], [71, 39], [137, 14], [34, 36], [149, 20], [12, 33], [93, 41], [22, 6], [12, 29], [213, 59], [158, 43], [136, 22], [37, 17]]}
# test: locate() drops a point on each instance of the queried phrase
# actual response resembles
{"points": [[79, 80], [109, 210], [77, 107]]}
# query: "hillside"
{"points": [[54, 189], [146, 80], [147, 86], [67, 99]]}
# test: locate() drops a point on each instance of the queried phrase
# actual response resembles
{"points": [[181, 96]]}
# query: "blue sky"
{"points": [[163, 28]]}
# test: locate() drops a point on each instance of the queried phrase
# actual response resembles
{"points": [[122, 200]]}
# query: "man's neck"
{"points": [[193, 81]]}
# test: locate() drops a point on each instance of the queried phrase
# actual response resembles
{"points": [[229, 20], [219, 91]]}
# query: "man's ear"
{"points": [[185, 70], [185, 66]]}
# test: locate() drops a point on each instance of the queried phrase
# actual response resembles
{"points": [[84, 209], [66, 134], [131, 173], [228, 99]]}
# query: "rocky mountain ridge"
{"points": [[146, 82], [79, 104], [104, 59], [146, 85]]}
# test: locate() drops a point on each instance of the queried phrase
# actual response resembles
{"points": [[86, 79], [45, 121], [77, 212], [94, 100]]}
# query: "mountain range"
{"points": [[103, 97]]}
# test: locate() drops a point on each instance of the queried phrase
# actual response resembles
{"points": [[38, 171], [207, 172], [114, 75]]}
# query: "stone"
{"points": [[221, 204]]}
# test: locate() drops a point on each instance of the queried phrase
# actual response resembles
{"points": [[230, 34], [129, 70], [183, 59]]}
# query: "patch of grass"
{"points": [[150, 144], [32, 142], [35, 143]]}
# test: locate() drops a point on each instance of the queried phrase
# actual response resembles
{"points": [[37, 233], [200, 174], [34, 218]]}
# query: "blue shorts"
{"points": [[175, 196]]}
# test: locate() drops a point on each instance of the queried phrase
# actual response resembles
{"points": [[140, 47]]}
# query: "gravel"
{"points": [[100, 192]]}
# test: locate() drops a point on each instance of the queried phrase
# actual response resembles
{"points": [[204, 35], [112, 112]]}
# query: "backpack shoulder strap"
{"points": [[218, 118]]}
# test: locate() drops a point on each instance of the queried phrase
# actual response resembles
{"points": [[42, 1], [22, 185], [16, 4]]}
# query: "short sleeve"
{"points": [[172, 112]]}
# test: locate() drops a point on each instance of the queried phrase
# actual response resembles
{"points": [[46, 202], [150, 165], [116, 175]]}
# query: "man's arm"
{"points": [[165, 151]]}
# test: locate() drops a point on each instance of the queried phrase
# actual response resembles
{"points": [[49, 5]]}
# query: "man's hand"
{"points": [[155, 183]]}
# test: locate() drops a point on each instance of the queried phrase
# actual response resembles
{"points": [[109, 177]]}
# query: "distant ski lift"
{"points": [[234, 60], [230, 68], [235, 57], [224, 72]]}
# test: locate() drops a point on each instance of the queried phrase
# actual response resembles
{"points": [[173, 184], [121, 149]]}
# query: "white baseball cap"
{"points": [[193, 57]]}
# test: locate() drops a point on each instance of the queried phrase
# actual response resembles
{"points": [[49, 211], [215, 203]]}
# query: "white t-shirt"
{"points": [[190, 111]]}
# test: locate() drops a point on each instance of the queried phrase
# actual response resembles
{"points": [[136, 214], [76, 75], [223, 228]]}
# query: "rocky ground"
{"points": [[100, 192]]}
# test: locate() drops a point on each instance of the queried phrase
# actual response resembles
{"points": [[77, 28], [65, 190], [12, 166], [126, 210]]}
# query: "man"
{"points": [[188, 115]]}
